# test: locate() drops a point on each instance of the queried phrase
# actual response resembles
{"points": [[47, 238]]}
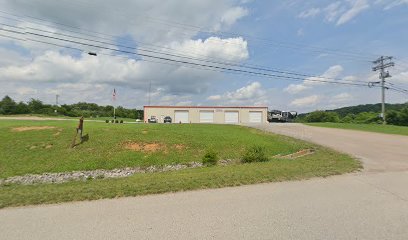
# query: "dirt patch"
{"points": [[23, 129], [144, 131], [179, 147], [48, 146], [144, 147]]}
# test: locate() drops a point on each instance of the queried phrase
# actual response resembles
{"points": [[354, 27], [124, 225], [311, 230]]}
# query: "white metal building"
{"points": [[207, 114]]}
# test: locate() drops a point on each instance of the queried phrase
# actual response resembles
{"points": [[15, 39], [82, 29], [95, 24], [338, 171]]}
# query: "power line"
{"points": [[257, 67], [206, 30], [266, 41], [205, 66], [178, 56]]}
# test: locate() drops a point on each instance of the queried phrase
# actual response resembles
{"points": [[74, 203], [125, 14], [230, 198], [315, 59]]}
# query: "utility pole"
{"points": [[381, 64], [56, 99]]}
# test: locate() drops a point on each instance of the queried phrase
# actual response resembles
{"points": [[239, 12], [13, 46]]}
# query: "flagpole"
{"points": [[114, 100]]}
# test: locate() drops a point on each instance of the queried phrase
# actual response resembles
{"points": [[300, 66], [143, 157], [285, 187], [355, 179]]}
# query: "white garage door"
{"points": [[181, 116], [255, 117], [206, 116], [231, 117]]}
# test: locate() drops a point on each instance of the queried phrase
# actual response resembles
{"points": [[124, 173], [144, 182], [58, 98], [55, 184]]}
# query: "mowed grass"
{"points": [[39, 151], [105, 150], [388, 129]]}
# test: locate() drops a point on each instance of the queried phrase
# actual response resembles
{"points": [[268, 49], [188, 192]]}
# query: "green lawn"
{"points": [[389, 129], [39, 151]]}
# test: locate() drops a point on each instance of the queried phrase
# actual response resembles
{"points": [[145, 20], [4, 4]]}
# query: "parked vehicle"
{"points": [[167, 119], [281, 116], [152, 119]]}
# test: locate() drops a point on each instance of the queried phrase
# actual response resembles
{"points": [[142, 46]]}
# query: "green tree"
{"points": [[7, 106], [35, 105], [349, 118], [322, 116]]}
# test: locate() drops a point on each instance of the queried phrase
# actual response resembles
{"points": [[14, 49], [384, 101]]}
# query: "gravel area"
{"points": [[62, 177]]}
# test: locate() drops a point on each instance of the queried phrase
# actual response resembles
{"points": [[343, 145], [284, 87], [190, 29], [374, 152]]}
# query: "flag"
{"points": [[114, 95]]}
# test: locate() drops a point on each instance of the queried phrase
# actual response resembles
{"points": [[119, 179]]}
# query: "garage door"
{"points": [[206, 116], [181, 116], [231, 117], [255, 117]]}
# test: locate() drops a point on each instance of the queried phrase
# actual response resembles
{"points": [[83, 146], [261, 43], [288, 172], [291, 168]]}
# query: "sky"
{"points": [[332, 40]]}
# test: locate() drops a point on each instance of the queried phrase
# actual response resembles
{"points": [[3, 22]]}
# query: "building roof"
{"points": [[204, 107]]}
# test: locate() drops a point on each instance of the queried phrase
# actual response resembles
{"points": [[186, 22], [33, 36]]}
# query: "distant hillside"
{"points": [[367, 108]]}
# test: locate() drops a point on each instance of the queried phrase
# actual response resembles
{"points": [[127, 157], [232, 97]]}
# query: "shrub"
{"points": [[210, 158], [322, 116], [121, 121], [255, 154], [107, 121], [116, 121]]}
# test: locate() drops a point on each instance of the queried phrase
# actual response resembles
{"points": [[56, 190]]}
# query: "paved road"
{"points": [[377, 151], [372, 204]]}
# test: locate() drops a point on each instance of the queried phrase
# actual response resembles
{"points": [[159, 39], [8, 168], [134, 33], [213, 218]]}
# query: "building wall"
{"points": [[194, 113]]}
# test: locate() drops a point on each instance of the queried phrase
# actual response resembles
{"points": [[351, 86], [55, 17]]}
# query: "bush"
{"points": [[121, 121], [255, 154], [107, 121], [210, 158], [322, 116]]}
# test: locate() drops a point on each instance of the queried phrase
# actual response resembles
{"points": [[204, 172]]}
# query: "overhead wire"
{"points": [[205, 66], [267, 41], [178, 56]]}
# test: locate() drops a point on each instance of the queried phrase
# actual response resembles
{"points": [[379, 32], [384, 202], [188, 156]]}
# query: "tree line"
{"points": [[34, 106], [397, 114]]}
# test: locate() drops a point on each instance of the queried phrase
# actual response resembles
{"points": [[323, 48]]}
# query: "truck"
{"points": [[281, 116]]}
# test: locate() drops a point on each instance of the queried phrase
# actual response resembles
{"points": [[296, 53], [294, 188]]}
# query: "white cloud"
{"points": [[388, 4], [295, 88], [333, 10], [328, 75], [341, 11], [232, 49], [252, 94], [233, 14], [309, 13], [357, 7], [341, 98], [306, 101], [54, 66]]}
